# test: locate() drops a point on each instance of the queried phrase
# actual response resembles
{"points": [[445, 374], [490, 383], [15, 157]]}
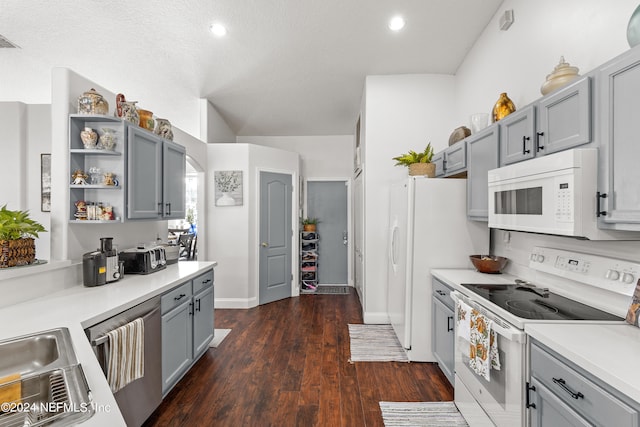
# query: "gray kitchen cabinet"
{"points": [[517, 132], [438, 160], [443, 334], [452, 160], [556, 122], [455, 158], [619, 82], [564, 118], [482, 150], [560, 393], [177, 344], [187, 326], [156, 170]]}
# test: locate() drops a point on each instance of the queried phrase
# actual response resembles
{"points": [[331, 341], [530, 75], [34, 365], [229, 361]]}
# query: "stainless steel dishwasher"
{"points": [[138, 399]]}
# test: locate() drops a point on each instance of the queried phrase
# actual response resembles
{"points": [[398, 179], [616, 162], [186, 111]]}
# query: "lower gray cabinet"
{"points": [[443, 334], [187, 327], [560, 393]]}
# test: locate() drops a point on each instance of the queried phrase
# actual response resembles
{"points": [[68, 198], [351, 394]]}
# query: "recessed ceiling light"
{"points": [[396, 23], [218, 29]]}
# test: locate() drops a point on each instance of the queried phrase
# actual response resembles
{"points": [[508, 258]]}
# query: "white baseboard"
{"points": [[235, 303], [375, 318]]}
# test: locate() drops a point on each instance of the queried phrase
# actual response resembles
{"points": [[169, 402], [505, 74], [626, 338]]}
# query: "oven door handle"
{"points": [[502, 327]]}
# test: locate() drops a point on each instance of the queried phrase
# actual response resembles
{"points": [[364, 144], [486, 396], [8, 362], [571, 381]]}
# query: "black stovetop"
{"points": [[531, 302]]}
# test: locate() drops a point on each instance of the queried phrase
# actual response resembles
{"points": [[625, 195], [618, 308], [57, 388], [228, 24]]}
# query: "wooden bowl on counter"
{"points": [[490, 264]]}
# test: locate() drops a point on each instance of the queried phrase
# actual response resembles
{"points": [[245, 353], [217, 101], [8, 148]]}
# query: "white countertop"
{"points": [[608, 351], [79, 307]]}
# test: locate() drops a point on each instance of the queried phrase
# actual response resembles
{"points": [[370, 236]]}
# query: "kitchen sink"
{"points": [[51, 388]]}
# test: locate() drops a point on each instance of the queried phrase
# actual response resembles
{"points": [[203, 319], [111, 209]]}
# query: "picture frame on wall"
{"points": [[228, 185], [45, 182]]}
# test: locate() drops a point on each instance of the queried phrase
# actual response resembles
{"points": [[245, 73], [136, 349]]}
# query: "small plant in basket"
{"points": [[17, 233], [418, 163]]}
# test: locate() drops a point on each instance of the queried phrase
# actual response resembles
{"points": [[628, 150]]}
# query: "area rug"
{"points": [[375, 343], [441, 414], [218, 336], [332, 290]]}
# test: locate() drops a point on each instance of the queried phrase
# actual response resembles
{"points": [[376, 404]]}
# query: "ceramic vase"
{"points": [[503, 107], [108, 139], [146, 119], [91, 102], [163, 128], [225, 200], [89, 138], [633, 28], [562, 74]]}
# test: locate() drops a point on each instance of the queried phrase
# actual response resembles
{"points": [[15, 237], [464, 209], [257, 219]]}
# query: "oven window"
{"points": [[523, 201]]}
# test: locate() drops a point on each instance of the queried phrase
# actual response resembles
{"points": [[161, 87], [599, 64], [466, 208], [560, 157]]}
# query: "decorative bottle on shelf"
{"points": [[107, 139], [503, 107], [89, 138]]}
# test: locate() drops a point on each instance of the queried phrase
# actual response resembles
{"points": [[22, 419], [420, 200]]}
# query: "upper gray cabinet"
{"points": [[452, 160], [517, 132], [156, 170], [558, 121], [564, 118], [619, 83], [482, 150]]}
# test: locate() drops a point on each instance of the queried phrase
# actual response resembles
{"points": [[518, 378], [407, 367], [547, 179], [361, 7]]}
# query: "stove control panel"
{"points": [[612, 274]]}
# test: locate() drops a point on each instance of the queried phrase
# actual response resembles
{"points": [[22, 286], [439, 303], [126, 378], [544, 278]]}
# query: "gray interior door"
{"points": [[275, 237], [327, 201]]}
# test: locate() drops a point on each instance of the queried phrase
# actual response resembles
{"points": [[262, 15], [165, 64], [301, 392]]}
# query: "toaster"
{"points": [[143, 260]]}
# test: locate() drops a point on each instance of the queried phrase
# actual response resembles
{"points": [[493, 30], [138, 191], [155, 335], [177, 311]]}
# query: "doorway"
{"points": [[328, 201], [275, 237]]}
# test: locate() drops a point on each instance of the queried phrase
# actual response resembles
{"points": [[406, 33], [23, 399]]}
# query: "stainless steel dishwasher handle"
{"points": [[103, 339]]}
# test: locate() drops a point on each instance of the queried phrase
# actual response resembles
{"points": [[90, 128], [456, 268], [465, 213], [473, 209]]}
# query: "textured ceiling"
{"points": [[286, 67]]}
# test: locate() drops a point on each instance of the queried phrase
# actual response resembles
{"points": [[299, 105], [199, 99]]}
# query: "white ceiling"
{"points": [[286, 67]]}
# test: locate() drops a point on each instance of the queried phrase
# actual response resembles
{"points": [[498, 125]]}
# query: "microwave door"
{"points": [[539, 204]]}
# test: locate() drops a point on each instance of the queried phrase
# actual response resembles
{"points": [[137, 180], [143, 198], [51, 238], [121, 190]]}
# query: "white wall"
{"points": [[213, 128], [13, 175], [321, 156], [403, 112], [588, 33], [233, 237]]}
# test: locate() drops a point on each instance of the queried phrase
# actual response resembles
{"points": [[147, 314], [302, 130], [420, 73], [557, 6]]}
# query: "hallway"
{"points": [[286, 364]]}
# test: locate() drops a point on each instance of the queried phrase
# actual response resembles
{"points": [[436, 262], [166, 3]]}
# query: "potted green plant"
{"points": [[309, 224], [17, 233], [418, 163]]}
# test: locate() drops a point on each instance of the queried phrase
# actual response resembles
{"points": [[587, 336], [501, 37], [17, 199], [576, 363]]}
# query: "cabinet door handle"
{"points": [[198, 304], [524, 145], [600, 196], [179, 297], [449, 326], [538, 146], [563, 385], [444, 164], [190, 309], [441, 293], [160, 208], [528, 403], [168, 205]]}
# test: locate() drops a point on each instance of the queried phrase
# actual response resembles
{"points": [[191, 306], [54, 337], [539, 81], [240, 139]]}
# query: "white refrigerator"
{"points": [[428, 228]]}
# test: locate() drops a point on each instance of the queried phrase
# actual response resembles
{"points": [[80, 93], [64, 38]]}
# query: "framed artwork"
{"points": [[45, 182], [228, 188]]}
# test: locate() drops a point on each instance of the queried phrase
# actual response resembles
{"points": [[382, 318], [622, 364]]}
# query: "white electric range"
{"points": [[569, 287]]}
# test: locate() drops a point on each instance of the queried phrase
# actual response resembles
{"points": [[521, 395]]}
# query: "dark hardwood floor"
{"points": [[287, 364]]}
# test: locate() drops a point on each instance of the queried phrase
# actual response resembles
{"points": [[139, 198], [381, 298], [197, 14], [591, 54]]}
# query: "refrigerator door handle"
{"points": [[393, 248]]}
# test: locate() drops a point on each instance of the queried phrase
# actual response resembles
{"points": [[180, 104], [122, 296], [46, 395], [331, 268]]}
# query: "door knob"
{"points": [[264, 244]]}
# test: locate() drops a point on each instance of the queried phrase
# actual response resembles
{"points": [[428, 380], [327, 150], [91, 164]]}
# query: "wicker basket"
{"points": [[428, 169], [17, 252]]}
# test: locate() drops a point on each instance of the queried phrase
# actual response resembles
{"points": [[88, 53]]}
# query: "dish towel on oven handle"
{"points": [[483, 346], [125, 360], [463, 320]]}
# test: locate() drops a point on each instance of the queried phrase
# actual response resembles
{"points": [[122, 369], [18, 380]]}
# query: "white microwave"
{"points": [[554, 194]]}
